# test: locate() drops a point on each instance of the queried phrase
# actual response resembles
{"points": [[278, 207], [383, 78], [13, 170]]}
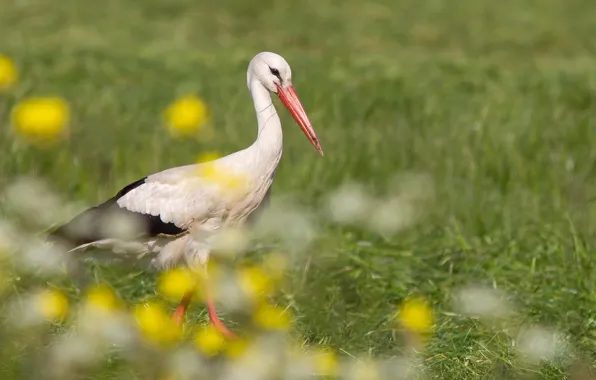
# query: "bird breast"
{"points": [[246, 201]]}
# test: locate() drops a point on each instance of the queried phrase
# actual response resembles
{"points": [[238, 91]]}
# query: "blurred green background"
{"points": [[494, 101]]}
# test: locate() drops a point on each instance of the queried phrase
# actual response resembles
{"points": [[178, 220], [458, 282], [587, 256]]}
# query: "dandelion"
{"points": [[186, 115], [325, 362], [255, 282], [102, 299], [41, 120], [208, 157], [8, 72], [415, 315], [210, 341], [272, 318], [155, 323], [236, 348], [275, 265], [52, 305], [228, 180], [176, 283]]}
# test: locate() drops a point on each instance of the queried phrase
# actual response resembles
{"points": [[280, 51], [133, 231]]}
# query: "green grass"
{"points": [[494, 102]]}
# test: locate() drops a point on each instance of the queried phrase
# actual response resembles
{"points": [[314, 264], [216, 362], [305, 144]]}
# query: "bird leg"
{"points": [[178, 315], [215, 321]]}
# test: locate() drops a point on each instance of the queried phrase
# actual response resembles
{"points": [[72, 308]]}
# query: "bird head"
{"points": [[274, 74]]}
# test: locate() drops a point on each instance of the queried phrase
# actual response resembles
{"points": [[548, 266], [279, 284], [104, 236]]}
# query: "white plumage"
{"points": [[183, 208]]}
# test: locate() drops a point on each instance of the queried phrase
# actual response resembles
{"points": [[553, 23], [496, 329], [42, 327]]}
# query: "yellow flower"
{"points": [[208, 157], [275, 265], [325, 362], [272, 318], [101, 298], [52, 305], [41, 119], [366, 370], [236, 348], [255, 282], [210, 341], [226, 179], [8, 72], [186, 115], [156, 324], [416, 315], [176, 283]]}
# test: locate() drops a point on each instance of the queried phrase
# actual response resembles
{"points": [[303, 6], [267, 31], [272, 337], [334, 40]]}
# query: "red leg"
{"points": [[215, 321], [178, 315]]}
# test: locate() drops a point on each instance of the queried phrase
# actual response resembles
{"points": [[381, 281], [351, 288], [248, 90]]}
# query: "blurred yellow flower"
{"points": [[365, 370], [171, 375], [52, 305], [5, 279], [210, 341], [155, 324], [208, 157], [236, 348], [325, 362], [275, 265], [101, 298], [41, 119], [416, 315], [272, 318], [255, 282], [186, 115], [8, 72], [176, 283], [226, 179]]}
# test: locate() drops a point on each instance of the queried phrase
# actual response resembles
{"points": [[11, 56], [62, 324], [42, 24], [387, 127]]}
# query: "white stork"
{"points": [[179, 209]]}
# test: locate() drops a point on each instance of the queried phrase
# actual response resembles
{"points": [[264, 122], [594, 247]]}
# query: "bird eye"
{"points": [[275, 72]]}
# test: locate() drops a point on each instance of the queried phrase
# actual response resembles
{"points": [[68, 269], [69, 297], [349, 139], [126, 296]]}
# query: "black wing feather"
{"points": [[94, 217]]}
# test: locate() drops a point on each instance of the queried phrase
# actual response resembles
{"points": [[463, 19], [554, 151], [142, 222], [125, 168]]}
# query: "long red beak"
{"points": [[290, 99]]}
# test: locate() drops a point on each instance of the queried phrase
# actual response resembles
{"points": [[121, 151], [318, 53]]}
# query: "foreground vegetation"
{"points": [[476, 116]]}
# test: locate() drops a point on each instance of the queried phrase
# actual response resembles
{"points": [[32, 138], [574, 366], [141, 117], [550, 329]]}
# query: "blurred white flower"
{"points": [[392, 215], [9, 236], [227, 291], [413, 186], [349, 204], [114, 328], [481, 301], [401, 368], [538, 344], [121, 226], [33, 199], [404, 205], [261, 358], [35, 255], [298, 367], [71, 351], [293, 225], [363, 369], [229, 241], [187, 364]]}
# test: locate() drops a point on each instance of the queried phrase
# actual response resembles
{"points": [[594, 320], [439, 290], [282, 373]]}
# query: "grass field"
{"points": [[492, 105]]}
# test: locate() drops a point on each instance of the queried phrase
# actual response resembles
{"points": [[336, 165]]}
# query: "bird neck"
{"points": [[269, 139]]}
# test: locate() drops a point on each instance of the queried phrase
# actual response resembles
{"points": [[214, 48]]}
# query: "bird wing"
{"points": [[165, 203], [175, 198]]}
